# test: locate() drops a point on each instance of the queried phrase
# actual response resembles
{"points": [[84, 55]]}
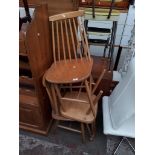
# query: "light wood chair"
{"points": [[72, 65], [70, 49], [77, 103], [81, 105]]}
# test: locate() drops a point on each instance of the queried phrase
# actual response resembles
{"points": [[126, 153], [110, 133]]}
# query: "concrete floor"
{"points": [[65, 142]]}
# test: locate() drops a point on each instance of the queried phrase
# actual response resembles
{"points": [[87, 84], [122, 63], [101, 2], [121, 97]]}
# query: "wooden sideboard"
{"points": [[61, 6], [34, 59]]}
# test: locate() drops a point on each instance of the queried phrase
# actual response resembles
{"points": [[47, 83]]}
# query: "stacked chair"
{"points": [[68, 81]]}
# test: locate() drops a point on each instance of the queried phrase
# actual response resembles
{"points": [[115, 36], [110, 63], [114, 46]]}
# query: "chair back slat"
{"points": [[64, 16], [58, 42], [82, 38], [63, 44], [53, 42], [69, 38], [77, 38], [72, 39], [86, 41], [68, 46]]}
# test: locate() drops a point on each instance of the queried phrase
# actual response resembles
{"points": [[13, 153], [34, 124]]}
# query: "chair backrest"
{"points": [[90, 98], [89, 91], [69, 40]]}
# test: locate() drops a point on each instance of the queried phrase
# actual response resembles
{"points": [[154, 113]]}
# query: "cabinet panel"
{"points": [[30, 2], [22, 47], [22, 35], [60, 6], [29, 111], [34, 59], [30, 116]]}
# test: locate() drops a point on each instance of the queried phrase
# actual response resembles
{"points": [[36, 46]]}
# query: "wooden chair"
{"points": [[72, 64], [70, 49], [76, 103]]}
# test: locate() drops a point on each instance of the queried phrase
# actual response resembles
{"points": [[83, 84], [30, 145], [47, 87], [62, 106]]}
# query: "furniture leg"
{"points": [[55, 125], [83, 133], [93, 129], [89, 130]]}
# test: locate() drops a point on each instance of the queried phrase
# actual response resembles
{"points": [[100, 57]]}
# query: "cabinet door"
{"points": [[30, 2], [29, 111], [60, 6], [30, 116]]}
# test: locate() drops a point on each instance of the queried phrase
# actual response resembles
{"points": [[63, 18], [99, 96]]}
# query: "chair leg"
{"points": [[92, 131], [55, 125], [124, 138], [83, 132], [94, 128], [89, 130]]}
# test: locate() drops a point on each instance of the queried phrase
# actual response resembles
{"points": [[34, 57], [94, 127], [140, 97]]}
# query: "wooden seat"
{"points": [[72, 71], [75, 103], [68, 81], [70, 50], [76, 109], [81, 105]]}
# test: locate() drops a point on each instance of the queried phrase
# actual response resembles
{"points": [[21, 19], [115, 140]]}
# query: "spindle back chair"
{"points": [[69, 40], [72, 66]]}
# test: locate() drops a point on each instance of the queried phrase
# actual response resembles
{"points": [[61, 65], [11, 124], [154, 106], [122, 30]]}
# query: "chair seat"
{"points": [[126, 129], [77, 110], [69, 71]]}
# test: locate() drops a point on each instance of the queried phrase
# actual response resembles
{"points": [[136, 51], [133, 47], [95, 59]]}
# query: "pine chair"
{"points": [[72, 65], [70, 50], [77, 103]]}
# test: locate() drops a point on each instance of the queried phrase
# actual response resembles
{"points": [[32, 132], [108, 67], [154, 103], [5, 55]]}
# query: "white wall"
{"points": [[123, 33]]}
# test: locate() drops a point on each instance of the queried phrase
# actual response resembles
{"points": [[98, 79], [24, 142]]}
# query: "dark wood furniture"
{"points": [[107, 84], [61, 6], [34, 59], [31, 3]]}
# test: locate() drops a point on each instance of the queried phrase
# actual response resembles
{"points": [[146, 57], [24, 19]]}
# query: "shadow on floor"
{"points": [[64, 142]]}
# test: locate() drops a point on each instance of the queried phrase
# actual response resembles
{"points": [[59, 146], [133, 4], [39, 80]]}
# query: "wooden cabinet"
{"points": [[107, 84], [61, 6], [34, 59], [31, 2]]}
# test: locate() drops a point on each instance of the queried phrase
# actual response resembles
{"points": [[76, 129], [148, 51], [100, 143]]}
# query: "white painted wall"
{"points": [[22, 11], [123, 33]]}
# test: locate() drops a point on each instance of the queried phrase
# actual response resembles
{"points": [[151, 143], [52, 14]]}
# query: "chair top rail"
{"points": [[66, 15]]}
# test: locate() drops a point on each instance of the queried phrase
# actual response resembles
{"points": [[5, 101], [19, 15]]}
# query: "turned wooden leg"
{"points": [[91, 133], [93, 127], [55, 125], [83, 133], [89, 130]]}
